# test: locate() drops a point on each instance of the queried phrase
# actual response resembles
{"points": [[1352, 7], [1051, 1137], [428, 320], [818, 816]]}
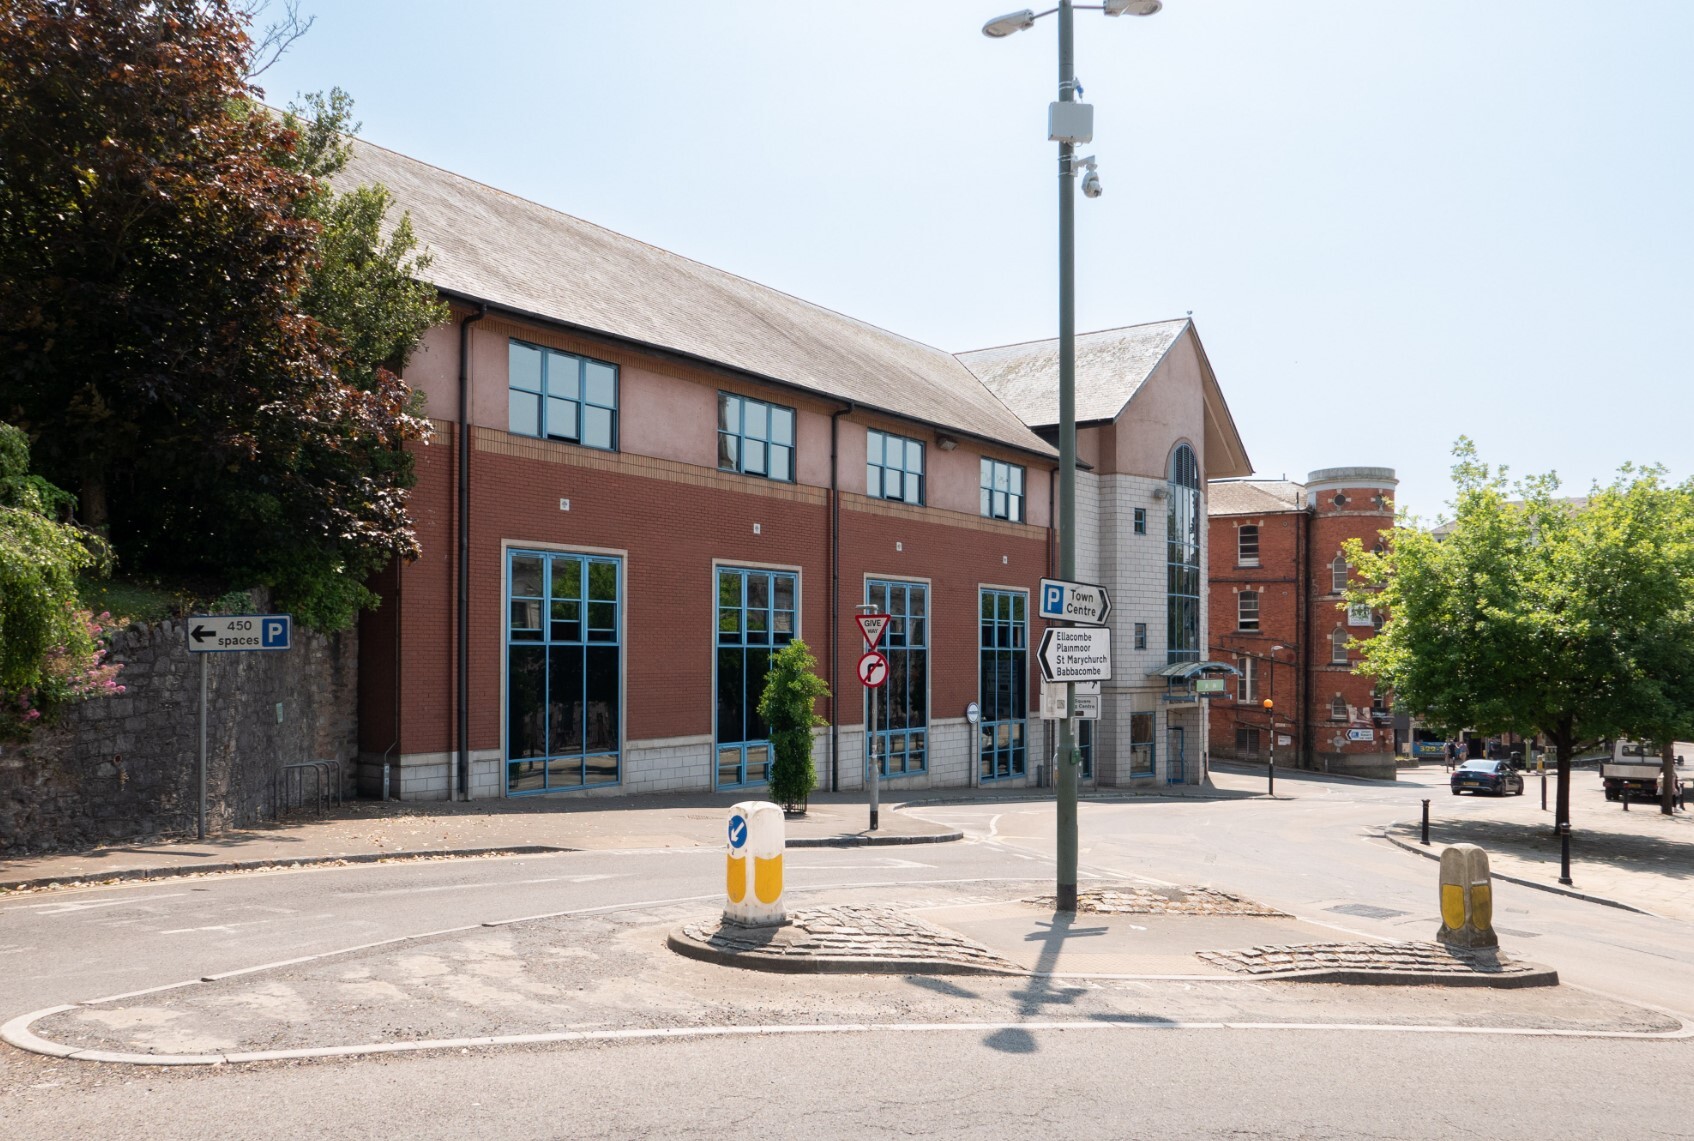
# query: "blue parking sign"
{"points": [[273, 632], [1052, 600]]}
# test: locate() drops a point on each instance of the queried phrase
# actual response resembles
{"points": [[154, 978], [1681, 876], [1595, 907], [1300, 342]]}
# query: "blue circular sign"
{"points": [[738, 831]]}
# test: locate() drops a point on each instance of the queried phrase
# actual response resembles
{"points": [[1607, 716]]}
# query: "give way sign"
{"points": [[872, 627]]}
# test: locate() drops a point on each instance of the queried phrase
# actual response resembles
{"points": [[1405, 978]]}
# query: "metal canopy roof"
{"points": [[1182, 671]]}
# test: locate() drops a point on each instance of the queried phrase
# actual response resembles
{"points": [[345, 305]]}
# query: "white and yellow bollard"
{"points": [[1467, 898], [753, 876]]}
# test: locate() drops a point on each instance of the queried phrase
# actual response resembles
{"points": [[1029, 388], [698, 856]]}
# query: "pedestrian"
{"points": [[1452, 755]]}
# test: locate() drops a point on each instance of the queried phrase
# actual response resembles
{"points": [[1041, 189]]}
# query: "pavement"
{"points": [[370, 830], [1641, 859]]}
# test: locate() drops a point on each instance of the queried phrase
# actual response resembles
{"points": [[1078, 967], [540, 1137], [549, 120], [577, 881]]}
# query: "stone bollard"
{"points": [[1467, 898], [753, 877]]}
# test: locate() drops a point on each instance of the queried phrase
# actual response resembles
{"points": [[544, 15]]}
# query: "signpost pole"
{"points": [[1067, 841], [876, 767], [200, 831]]}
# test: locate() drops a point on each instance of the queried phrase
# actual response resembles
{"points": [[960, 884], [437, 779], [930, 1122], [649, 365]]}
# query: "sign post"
{"points": [[873, 675], [227, 634]]}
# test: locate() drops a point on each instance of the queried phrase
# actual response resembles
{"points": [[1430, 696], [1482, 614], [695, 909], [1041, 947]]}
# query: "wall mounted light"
{"points": [[946, 443]]}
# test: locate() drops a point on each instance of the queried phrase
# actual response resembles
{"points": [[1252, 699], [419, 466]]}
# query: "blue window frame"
{"points": [[561, 396], [893, 467], [755, 438], [1002, 490], [564, 671], [901, 733], [758, 614], [1142, 746], [1003, 661], [1182, 558], [1140, 520]]}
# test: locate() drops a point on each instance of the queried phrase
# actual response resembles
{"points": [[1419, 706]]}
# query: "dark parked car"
{"points": [[1496, 777]]}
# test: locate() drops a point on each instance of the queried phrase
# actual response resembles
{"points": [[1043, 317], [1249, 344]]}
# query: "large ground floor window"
{"points": [[564, 671], [1003, 664], [757, 615], [900, 738]]}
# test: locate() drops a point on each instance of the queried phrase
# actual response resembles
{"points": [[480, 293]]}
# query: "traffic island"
{"points": [[840, 939], [1385, 964], [1163, 901]]}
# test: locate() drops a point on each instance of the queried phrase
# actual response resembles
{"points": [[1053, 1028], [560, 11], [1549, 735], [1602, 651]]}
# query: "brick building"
{"points": [[647, 475], [1277, 571]]}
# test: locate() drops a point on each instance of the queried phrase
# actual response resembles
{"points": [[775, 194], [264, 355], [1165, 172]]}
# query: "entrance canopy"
{"points": [[1187, 671]]}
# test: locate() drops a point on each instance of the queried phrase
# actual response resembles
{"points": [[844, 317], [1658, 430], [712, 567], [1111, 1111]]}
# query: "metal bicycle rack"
{"points": [[289, 787]]}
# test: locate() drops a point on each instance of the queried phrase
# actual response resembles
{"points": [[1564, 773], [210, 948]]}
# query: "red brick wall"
{"points": [[1279, 623], [1359, 518], [670, 521]]}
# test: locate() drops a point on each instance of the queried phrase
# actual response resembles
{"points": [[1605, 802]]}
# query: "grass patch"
{"points": [[154, 600]]}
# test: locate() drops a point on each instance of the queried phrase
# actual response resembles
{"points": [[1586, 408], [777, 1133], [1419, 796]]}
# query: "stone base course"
{"points": [[1163, 901], [838, 938], [1394, 962]]}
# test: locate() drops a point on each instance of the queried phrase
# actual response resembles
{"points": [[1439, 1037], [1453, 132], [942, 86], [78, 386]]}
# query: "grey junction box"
{"points": [[1070, 122]]}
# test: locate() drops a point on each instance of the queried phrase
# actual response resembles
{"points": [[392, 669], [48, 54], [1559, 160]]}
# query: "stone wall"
{"points": [[125, 767]]}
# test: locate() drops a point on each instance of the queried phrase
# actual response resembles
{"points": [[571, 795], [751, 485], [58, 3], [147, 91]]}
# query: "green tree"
{"points": [[49, 649], [792, 689], [159, 334], [1535, 613]]}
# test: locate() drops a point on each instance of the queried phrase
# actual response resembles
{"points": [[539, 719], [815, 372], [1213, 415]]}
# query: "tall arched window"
{"points": [[1338, 640], [1182, 558], [1338, 574]]}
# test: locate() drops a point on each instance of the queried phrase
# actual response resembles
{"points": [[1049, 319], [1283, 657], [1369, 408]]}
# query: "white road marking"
{"points": [[70, 906], [472, 886]]}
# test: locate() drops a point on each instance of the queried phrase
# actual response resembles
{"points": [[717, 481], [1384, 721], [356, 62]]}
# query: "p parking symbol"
{"points": [[273, 632], [1055, 599]]}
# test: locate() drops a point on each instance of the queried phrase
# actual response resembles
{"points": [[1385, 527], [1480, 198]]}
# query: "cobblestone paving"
{"points": [[1164, 901], [873, 934], [1420, 957]]}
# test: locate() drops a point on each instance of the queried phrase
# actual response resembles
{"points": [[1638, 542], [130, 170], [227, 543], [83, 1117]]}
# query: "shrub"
{"points": [[792, 688]]}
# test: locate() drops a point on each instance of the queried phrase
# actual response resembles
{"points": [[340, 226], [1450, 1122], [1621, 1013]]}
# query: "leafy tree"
{"points": [[1534, 613], [49, 650], [180, 329], [792, 689]]}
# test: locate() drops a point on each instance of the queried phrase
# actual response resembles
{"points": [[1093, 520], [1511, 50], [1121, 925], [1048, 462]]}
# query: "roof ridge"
{"points": [[1088, 333]]}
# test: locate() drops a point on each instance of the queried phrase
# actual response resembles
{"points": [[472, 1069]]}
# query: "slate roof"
{"points": [[1111, 365], [1252, 496], [520, 256]]}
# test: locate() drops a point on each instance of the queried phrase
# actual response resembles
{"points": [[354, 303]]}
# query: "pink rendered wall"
{"points": [[1170, 406], [669, 411]]}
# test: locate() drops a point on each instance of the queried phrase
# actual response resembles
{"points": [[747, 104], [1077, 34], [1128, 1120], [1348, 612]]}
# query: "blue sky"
{"points": [[1393, 223]]}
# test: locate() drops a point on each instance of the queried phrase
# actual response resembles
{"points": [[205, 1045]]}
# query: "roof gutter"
{"points": [[728, 370], [462, 699]]}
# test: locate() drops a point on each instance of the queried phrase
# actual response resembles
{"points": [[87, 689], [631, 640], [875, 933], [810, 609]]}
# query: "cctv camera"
{"points": [[1091, 184]]}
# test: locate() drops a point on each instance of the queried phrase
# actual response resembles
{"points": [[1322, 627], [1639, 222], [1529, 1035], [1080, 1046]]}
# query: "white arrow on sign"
{"points": [[1076, 653], [1064, 601]]}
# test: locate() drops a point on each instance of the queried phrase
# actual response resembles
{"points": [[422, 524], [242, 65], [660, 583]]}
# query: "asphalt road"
{"points": [[1308, 855]]}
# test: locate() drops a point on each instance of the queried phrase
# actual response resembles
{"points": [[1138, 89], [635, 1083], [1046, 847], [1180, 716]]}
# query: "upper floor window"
{"points": [[561, 396], [893, 467], [1182, 557], [1248, 686], [1338, 708], [1002, 490], [755, 438], [1247, 610], [1338, 574], [1140, 520], [1141, 635], [1247, 546], [1338, 640]]}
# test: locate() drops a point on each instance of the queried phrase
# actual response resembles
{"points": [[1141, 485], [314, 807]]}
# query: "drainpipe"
{"points": [[399, 669], [463, 697], [835, 597]]}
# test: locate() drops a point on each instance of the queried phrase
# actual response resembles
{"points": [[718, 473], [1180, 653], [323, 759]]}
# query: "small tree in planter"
{"points": [[791, 689]]}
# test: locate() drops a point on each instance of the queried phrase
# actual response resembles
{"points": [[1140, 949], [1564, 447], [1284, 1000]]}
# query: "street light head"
{"points": [[1133, 7], [1003, 26], [1268, 704]]}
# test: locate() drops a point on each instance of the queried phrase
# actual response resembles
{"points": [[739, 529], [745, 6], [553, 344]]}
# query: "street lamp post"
{"points": [[996, 29]]}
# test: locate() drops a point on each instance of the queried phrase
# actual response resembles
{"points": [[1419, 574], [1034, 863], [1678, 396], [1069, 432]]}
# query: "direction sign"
{"points": [[737, 831], [1087, 706], [1053, 700], [873, 670], [227, 633], [1076, 653], [1085, 602], [872, 627]]}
